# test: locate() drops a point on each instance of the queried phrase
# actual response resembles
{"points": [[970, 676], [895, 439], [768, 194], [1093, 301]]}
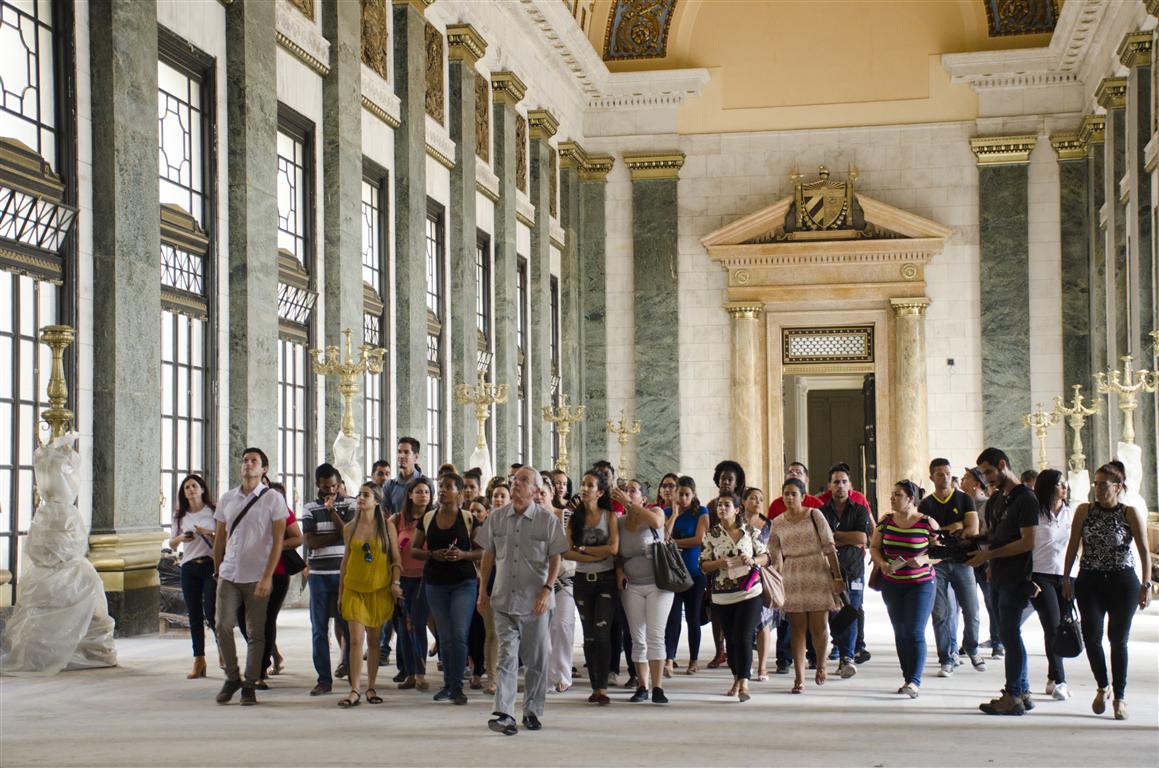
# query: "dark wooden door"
{"points": [[836, 434]]}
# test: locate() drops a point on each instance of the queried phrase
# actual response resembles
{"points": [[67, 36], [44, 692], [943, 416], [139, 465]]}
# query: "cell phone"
{"points": [[189, 534]]}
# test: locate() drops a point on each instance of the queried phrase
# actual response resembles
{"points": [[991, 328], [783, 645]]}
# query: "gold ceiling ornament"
{"points": [[507, 88], [350, 371], [1003, 150], [542, 123], [1076, 415], [465, 44], [375, 38], [1111, 93], [58, 416], [1127, 384], [623, 430], [1021, 17], [662, 165], [563, 416], [638, 29], [1040, 421], [597, 168], [1135, 50]]}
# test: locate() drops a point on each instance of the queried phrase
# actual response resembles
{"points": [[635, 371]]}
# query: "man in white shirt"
{"points": [[251, 522]]}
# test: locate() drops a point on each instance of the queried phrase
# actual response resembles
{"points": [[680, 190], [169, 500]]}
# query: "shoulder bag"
{"points": [[1068, 638], [837, 604], [668, 566]]}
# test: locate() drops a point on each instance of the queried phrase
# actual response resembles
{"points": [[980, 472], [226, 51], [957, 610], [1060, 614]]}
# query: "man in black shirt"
{"points": [[1014, 510], [955, 513], [975, 486], [852, 526]]}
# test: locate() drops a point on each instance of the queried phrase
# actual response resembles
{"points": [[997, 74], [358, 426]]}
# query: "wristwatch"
{"points": [[546, 586]]}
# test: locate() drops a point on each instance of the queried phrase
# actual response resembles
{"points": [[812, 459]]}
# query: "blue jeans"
{"points": [[909, 607], [200, 591], [1010, 600], [988, 600], [410, 627], [453, 606], [846, 642], [959, 577], [323, 607]]}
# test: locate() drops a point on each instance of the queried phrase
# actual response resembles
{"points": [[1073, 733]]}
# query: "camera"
{"points": [[952, 547]]}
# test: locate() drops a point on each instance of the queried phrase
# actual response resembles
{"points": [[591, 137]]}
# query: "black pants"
{"points": [[739, 621], [476, 642], [691, 603], [1048, 605], [1114, 595], [621, 638], [279, 586], [199, 589], [595, 601]]}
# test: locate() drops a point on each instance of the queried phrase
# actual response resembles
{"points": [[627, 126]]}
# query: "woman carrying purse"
{"points": [[1050, 540]]}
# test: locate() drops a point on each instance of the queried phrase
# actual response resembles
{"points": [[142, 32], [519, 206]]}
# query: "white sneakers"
{"points": [[946, 670], [1060, 692], [978, 662]]}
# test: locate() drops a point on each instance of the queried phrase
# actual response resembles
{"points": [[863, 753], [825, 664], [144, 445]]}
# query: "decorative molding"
{"points": [[439, 143], [1111, 93], [375, 38], [1068, 146], [507, 88], [638, 29], [126, 560], [487, 182], [1003, 150], [738, 310], [542, 123], [524, 210], [1093, 130], [557, 235], [465, 44], [654, 166], [648, 90], [1135, 50], [572, 156], [597, 168], [181, 230], [832, 345], [482, 118], [435, 99], [305, 7], [911, 306], [520, 153], [1021, 17], [419, 5], [302, 39], [379, 100]]}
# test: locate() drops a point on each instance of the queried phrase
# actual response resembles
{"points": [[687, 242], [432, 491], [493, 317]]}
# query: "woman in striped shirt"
{"points": [[899, 550]]}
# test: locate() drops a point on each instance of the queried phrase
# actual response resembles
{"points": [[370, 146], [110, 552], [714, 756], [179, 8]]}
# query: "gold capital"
{"points": [[665, 165], [1003, 150], [1135, 50], [906, 307], [419, 5], [572, 156], [542, 124], [597, 168], [1068, 145], [740, 310], [1112, 93], [507, 88], [465, 44]]}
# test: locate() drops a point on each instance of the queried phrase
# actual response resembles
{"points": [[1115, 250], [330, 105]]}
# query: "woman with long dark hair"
{"points": [[411, 616], [368, 588], [666, 491], [753, 513], [687, 525], [1107, 585], [729, 479], [595, 541], [193, 529], [1050, 539]]}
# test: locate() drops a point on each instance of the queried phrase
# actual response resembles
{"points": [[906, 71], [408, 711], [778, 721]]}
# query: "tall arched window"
{"points": [[375, 321]]}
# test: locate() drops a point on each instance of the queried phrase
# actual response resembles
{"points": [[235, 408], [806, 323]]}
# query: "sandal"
{"points": [[372, 696], [347, 702], [693, 668], [798, 687], [718, 660], [821, 675], [275, 670], [763, 677]]}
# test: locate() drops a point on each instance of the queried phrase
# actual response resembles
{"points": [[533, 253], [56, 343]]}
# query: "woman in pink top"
{"points": [[410, 619]]}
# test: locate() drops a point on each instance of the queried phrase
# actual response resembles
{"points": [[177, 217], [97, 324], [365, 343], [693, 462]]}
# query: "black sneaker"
{"points": [[341, 671], [632, 682], [262, 685], [658, 696], [383, 660], [504, 724], [862, 656], [1027, 702], [783, 666], [531, 722], [641, 694], [320, 689], [228, 689], [248, 697], [458, 697], [399, 678], [444, 694]]}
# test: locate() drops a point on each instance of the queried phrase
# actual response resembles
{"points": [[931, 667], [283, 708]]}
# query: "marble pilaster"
{"points": [[910, 412], [1099, 423], [342, 192], [410, 217], [571, 364], [507, 90], [1005, 289], [464, 48], [543, 126], [657, 284], [747, 396], [1112, 96], [593, 288], [126, 309]]}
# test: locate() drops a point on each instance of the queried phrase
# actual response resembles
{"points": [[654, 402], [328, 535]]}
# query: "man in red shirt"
{"points": [[801, 472]]}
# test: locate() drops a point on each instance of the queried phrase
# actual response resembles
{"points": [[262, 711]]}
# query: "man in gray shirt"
{"points": [[522, 542]]}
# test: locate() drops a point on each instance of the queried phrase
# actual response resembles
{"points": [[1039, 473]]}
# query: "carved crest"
{"points": [[823, 205], [521, 153], [434, 96], [374, 36], [553, 186], [482, 118]]}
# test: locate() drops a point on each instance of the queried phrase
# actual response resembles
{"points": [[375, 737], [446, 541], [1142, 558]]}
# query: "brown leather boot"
{"points": [[198, 668]]}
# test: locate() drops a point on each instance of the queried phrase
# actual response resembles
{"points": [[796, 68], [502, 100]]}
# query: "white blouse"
{"points": [[197, 547], [1050, 539]]}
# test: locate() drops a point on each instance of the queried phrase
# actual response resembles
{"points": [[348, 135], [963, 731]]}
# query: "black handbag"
{"points": [[292, 562], [668, 566], [842, 619], [1068, 637]]}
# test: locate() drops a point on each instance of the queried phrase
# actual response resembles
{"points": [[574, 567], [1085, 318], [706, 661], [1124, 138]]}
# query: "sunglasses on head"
{"points": [[366, 554]]}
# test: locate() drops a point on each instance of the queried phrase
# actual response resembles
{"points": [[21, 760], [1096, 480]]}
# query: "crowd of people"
{"points": [[497, 570]]}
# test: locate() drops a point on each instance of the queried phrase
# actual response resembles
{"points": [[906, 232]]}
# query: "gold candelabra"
{"points": [[623, 429], [1040, 421], [1127, 384], [563, 416], [483, 395], [330, 362], [1076, 415], [58, 416]]}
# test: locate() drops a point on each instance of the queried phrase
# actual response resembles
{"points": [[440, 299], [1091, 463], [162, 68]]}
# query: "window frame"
{"points": [[436, 384], [379, 177]]}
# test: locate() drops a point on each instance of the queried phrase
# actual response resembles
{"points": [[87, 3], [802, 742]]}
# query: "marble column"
{"points": [[542, 126], [252, 111], [593, 439], [342, 193], [571, 161], [464, 48], [747, 395], [1005, 287], [507, 90], [1096, 196], [657, 284], [1111, 95], [126, 310], [910, 412], [410, 220]]}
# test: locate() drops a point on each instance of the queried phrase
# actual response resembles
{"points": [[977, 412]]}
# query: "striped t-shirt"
{"points": [[908, 542]]}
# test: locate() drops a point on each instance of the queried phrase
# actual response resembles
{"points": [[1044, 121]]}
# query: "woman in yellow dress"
{"points": [[368, 587]]}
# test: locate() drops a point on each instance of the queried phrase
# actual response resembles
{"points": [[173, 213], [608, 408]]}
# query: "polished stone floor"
{"points": [[145, 713]]}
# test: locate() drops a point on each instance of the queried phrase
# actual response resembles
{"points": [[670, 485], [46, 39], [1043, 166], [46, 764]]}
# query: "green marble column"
{"points": [[542, 126], [1111, 94], [252, 111], [1005, 289], [508, 90], [1099, 423], [656, 294], [410, 218], [342, 192], [571, 160], [464, 48], [126, 309], [593, 438]]}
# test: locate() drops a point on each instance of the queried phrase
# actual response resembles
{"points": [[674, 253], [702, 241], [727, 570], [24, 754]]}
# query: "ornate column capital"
{"points": [[597, 168], [1135, 49], [738, 310], [915, 306], [1003, 150], [419, 5], [664, 165], [465, 44], [1076, 145], [572, 156], [507, 88], [1112, 93], [542, 124]]}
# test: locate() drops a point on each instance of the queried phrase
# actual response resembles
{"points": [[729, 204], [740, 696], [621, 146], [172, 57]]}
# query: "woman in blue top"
{"points": [[687, 524]]}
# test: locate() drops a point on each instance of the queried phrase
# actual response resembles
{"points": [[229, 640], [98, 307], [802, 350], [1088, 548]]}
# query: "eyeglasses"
{"points": [[366, 553], [667, 486]]}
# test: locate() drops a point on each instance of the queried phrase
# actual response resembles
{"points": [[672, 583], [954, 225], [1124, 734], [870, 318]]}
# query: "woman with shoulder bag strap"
{"points": [[1050, 539], [193, 531], [687, 526], [753, 503]]}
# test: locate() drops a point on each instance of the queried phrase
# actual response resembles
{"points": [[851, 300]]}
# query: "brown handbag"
{"points": [[773, 584]]}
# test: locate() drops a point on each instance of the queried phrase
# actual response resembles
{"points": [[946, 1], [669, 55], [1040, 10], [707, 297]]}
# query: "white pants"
{"points": [[562, 632], [647, 608]]}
